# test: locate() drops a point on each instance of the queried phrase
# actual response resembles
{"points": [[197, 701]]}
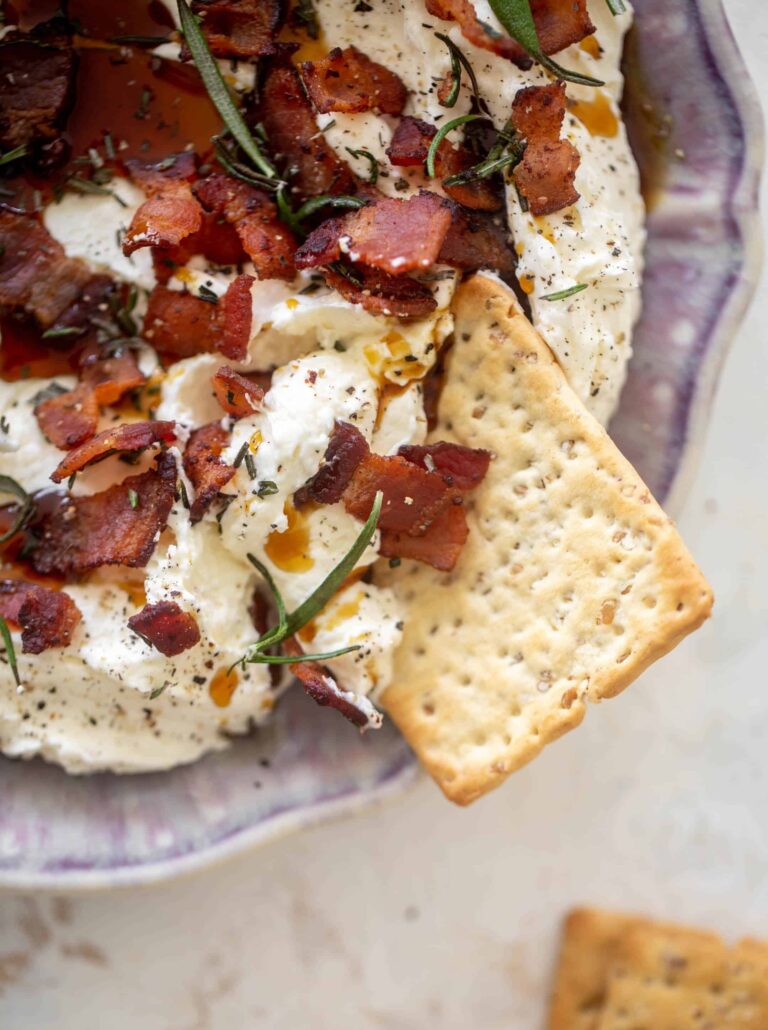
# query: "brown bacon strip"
{"points": [[170, 213], [546, 173], [47, 618], [409, 147], [440, 546], [240, 28], [412, 497], [395, 236], [73, 417], [382, 294], [36, 91], [126, 439], [347, 447], [216, 240], [82, 533], [35, 273], [478, 240], [204, 467], [300, 151], [322, 687], [166, 627], [266, 240], [349, 81], [182, 324], [558, 24], [238, 395], [461, 467]]}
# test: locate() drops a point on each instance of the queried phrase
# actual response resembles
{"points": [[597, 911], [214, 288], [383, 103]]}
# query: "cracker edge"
{"points": [[467, 784]]}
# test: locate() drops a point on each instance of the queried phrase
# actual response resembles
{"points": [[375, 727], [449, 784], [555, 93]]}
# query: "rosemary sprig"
{"points": [[327, 200], [26, 506], [150, 41], [218, 91], [616, 7], [516, 17], [289, 624], [458, 61], [373, 175], [13, 155], [443, 132], [10, 650], [563, 294]]}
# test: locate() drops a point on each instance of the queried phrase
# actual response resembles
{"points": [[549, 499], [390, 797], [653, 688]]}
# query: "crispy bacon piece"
{"points": [[126, 439], [238, 395], [36, 91], [216, 240], [166, 627], [182, 324], [47, 618], [412, 497], [35, 273], [113, 527], [546, 173], [300, 150], [202, 463], [324, 690], [558, 24], [383, 294], [477, 240], [462, 467], [73, 417], [439, 546], [409, 147], [349, 81], [240, 28], [346, 448], [395, 236], [171, 212], [266, 240]]}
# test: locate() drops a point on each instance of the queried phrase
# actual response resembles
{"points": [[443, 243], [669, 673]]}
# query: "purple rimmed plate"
{"points": [[696, 128]]}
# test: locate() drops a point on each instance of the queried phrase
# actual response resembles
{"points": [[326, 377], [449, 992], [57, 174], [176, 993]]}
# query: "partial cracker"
{"points": [[571, 583]]}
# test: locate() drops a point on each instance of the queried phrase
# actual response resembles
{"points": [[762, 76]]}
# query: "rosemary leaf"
{"points": [[318, 203], [10, 650], [373, 175], [25, 509], [563, 294], [13, 155], [458, 61], [616, 7], [443, 132]]}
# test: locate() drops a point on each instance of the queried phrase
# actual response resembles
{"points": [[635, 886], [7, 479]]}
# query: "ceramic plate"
{"points": [[700, 160]]}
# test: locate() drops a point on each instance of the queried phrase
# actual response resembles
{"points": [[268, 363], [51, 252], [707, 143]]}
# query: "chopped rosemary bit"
{"points": [[240, 455], [309, 207], [563, 294], [133, 499], [207, 294], [10, 650], [250, 464], [458, 61], [266, 488], [13, 155], [48, 392], [56, 332], [81, 185], [151, 41], [373, 175], [305, 14], [616, 7], [158, 691], [147, 96], [26, 506], [442, 132]]}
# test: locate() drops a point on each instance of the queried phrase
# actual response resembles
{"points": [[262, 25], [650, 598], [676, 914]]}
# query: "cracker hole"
{"points": [[428, 708]]}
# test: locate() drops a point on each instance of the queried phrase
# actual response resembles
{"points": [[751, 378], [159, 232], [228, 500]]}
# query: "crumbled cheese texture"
{"points": [[111, 701]]}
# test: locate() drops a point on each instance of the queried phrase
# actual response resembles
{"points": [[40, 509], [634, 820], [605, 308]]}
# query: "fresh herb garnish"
{"points": [[146, 98], [207, 294], [10, 650], [616, 7], [563, 294], [373, 175], [181, 487], [80, 185], [158, 690], [442, 132], [25, 510], [290, 624], [458, 61], [507, 151], [133, 498], [266, 488], [314, 204], [304, 13], [250, 464], [13, 155], [57, 332], [240, 455], [517, 19]]}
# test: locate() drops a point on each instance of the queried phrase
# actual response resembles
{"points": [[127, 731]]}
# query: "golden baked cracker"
{"points": [[572, 580], [588, 946], [667, 977]]}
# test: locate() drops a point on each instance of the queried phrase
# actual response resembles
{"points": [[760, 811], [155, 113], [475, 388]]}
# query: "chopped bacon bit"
{"points": [[36, 91], [349, 81], [546, 173], [412, 497], [47, 618], [461, 467], [347, 447], [238, 395], [477, 240], [299, 149], [240, 28], [324, 690], [216, 240], [558, 24], [383, 294], [35, 273], [170, 213], [127, 438], [93, 301], [393, 235], [202, 463], [166, 627], [73, 417], [439, 547], [409, 147], [266, 240], [118, 526], [182, 324]]}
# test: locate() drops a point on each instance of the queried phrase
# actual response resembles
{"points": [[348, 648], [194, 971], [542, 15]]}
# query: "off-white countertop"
{"points": [[420, 915]]}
